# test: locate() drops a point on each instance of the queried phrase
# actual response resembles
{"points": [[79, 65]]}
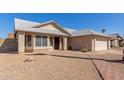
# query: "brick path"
{"points": [[107, 71]]}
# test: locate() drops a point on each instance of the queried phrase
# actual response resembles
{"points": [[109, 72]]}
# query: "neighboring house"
{"points": [[10, 36], [50, 35], [116, 40]]}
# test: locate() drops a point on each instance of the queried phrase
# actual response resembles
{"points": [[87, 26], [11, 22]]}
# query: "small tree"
{"points": [[103, 31]]}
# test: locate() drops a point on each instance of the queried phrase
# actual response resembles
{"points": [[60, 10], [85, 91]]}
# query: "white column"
{"points": [[48, 41], [53, 43], [65, 43], [60, 43], [108, 44], [93, 44], [21, 42], [33, 41]]}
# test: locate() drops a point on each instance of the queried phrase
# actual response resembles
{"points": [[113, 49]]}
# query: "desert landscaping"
{"points": [[47, 66], [61, 65]]}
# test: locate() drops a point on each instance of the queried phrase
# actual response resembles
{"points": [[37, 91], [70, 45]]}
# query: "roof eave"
{"points": [[91, 35], [19, 30]]}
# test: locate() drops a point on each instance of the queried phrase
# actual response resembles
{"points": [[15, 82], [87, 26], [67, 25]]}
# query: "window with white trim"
{"points": [[41, 41]]}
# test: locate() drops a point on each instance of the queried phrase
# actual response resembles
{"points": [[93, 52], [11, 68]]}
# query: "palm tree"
{"points": [[103, 31]]}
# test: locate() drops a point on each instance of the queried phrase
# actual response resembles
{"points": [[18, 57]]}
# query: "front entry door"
{"points": [[56, 42]]}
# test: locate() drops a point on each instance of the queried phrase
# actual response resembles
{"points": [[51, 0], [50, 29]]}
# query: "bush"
{"points": [[84, 50]]}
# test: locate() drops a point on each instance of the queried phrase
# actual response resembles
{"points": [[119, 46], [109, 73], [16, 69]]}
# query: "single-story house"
{"points": [[116, 40], [50, 35]]}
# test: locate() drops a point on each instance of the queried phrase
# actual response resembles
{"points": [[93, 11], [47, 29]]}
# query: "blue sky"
{"points": [[113, 23]]}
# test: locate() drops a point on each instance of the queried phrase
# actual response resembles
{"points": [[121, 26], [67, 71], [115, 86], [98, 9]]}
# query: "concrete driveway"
{"points": [[109, 64], [48, 65]]}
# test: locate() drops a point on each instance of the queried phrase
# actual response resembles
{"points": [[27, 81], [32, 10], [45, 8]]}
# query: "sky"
{"points": [[112, 22]]}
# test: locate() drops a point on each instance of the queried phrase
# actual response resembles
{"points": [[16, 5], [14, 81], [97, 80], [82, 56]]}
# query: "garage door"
{"points": [[100, 45]]}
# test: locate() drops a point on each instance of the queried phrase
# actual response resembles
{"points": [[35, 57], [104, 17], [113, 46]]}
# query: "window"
{"points": [[38, 40], [28, 41], [41, 41], [44, 40]]}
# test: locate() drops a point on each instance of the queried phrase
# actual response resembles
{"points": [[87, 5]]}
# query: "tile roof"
{"points": [[20, 23], [29, 26], [70, 31], [84, 32]]}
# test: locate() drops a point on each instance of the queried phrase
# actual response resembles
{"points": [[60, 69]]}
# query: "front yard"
{"points": [[62, 65], [47, 65]]}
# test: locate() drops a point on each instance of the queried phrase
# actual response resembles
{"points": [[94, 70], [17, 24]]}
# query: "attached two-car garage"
{"points": [[91, 42], [89, 39]]}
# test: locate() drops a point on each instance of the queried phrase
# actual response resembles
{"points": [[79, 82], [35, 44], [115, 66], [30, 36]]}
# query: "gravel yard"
{"points": [[54, 65]]}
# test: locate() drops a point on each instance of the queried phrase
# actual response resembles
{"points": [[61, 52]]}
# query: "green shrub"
{"points": [[84, 50]]}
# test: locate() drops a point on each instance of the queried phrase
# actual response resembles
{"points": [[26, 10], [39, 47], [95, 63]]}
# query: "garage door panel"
{"points": [[100, 45]]}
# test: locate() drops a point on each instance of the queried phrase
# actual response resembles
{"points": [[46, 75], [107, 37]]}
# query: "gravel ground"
{"points": [[110, 65], [54, 65], [114, 60]]}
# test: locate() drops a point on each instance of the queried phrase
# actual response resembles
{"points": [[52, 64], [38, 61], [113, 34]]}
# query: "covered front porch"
{"points": [[28, 42]]}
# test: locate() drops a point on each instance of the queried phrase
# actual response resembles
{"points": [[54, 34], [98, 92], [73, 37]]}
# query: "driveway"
{"points": [[109, 64], [47, 65]]}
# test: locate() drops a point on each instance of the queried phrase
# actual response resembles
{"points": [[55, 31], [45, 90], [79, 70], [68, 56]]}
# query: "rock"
{"points": [[29, 59]]}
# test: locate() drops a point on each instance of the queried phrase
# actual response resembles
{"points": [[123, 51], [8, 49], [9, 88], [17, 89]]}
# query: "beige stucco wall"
{"points": [[53, 27], [49, 26], [78, 43], [101, 38], [21, 42], [23, 48]]}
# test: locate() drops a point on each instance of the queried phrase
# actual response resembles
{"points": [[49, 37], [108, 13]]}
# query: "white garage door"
{"points": [[100, 45]]}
